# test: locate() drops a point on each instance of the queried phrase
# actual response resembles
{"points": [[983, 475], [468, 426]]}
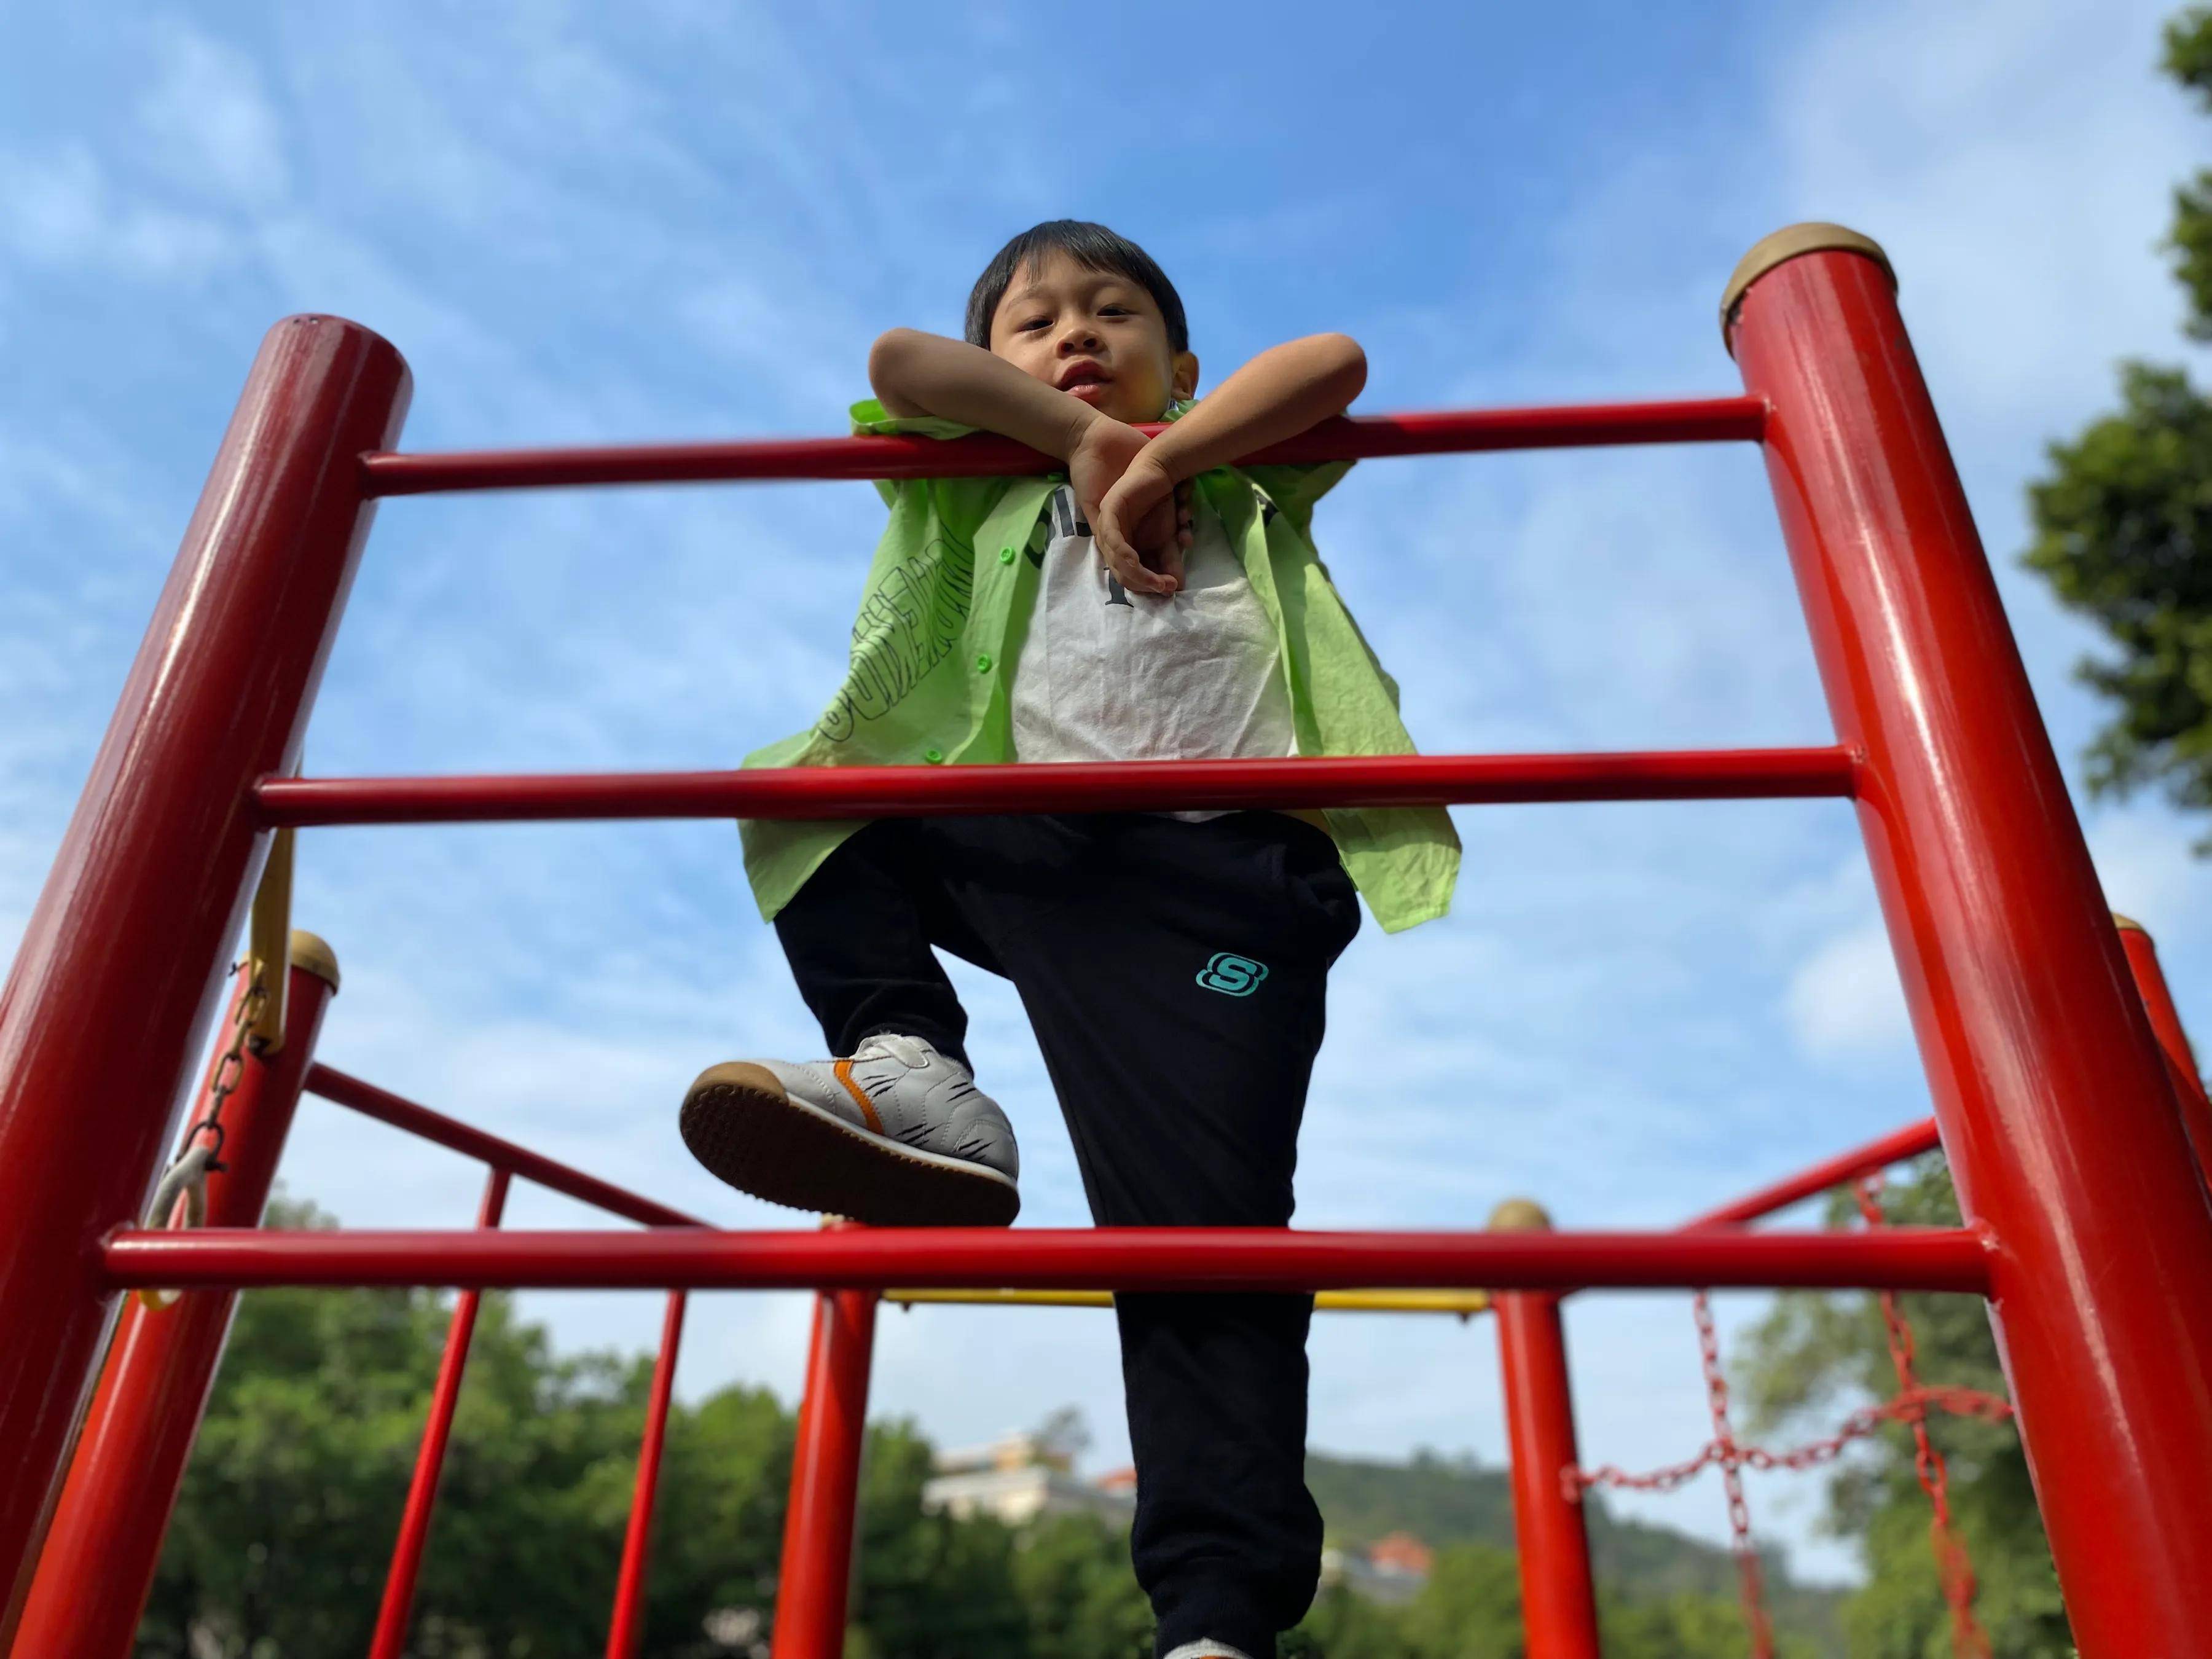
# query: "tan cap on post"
{"points": [[312, 952], [1813, 237], [2129, 923], [1520, 1215]]}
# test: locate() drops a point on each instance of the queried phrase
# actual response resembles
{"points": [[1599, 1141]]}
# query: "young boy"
{"points": [[1159, 604]]}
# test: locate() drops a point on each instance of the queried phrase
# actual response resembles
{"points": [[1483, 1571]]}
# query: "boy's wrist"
{"points": [[1081, 420], [1171, 457]]}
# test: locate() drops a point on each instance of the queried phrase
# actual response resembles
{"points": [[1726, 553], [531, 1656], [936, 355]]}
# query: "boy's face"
{"points": [[1095, 335]]}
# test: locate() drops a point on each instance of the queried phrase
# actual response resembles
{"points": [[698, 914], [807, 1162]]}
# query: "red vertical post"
{"points": [[627, 1629], [1559, 1598], [398, 1604], [2172, 1039], [118, 973], [101, 1551], [815, 1583], [2048, 1086]]}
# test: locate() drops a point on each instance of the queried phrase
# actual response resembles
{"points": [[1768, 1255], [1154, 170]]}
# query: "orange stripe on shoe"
{"points": [[844, 1070]]}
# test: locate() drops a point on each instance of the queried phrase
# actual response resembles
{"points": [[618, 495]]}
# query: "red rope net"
{"points": [[1910, 1405]]}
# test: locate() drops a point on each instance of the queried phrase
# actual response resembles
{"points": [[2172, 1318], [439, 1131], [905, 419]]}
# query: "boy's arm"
{"points": [[1278, 395], [918, 373]]}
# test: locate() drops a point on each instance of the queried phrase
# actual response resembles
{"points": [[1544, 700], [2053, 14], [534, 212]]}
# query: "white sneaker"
{"points": [[897, 1136]]}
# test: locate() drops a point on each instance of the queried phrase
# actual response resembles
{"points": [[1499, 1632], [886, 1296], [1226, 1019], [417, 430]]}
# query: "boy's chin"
{"points": [[1130, 414]]}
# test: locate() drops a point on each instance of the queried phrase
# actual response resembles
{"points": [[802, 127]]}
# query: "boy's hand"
{"points": [[1145, 524], [1137, 514]]}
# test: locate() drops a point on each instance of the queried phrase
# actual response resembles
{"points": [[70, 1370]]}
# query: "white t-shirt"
{"points": [[1107, 674]]}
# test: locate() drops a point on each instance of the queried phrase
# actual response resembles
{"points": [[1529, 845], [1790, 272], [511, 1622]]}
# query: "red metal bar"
{"points": [[1559, 1598], [2048, 1083], [833, 792], [98, 1564], [385, 1107], [398, 1608], [627, 1629], [1084, 1259], [2165, 1021], [814, 1588], [1682, 420], [119, 968], [1895, 1147]]}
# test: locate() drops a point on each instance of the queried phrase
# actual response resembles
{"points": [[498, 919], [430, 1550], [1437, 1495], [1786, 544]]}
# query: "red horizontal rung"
{"points": [[1107, 1259], [1681, 420], [385, 1107], [1895, 1147], [870, 792]]}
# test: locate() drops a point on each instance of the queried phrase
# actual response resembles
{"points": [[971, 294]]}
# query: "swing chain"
{"points": [[186, 1176]]}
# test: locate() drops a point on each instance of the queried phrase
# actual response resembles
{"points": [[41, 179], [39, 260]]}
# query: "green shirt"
{"points": [[942, 616]]}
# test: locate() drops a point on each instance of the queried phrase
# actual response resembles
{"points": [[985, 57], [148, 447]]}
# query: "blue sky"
{"points": [[689, 220]]}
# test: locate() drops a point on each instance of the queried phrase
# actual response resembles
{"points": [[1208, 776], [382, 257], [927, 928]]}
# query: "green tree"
{"points": [[284, 1527], [1072, 1574], [1815, 1355], [1470, 1608], [2122, 522]]}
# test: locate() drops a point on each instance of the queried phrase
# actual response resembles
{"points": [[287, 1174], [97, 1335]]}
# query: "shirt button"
{"points": [[935, 756], [982, 663], [1005, 555]]}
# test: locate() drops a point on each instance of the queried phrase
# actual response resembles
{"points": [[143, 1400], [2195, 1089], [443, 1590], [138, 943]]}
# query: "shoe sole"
{"points": [[755, 1137]]}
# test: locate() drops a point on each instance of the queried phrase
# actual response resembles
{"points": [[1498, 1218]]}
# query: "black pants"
{"points": [[1176, 976]]}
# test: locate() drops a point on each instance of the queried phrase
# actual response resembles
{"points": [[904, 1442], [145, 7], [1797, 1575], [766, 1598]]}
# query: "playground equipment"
{"points": [[2087, 1223]]}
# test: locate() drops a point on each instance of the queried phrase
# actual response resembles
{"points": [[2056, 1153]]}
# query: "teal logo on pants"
{"points": [[1232, 975]]}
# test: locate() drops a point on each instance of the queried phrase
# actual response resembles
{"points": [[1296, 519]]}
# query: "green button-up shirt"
{"points": [[942, 615]]}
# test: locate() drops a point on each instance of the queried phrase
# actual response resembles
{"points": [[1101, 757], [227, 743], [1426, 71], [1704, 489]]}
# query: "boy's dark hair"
{"points": [[1092, 246]]}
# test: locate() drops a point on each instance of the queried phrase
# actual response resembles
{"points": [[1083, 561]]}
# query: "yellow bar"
{"points": [[269, 947], [1462, 1303]]}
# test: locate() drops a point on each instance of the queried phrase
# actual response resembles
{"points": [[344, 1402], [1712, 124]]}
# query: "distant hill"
{"points": [[1449, 1501]]}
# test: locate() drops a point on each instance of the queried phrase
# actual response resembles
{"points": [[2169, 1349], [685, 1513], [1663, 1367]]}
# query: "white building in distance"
{"points": [[1021, 1478]]}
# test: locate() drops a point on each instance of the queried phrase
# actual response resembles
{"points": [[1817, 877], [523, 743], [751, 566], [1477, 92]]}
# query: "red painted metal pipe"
{"points": [[1558, 1597], [385, 1107], [845, 792], [1895, 1147], [2049, 1084], [1682, 420], [120, 968], [626, 1630], [1082, 1258], [814, 1588], [2165, 1021], [398, 1608], [98, 1564]]}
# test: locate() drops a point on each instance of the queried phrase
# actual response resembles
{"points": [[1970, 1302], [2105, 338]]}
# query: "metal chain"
{"points": [[223, 1079], [230, 1064], [186, 1176], [1750, 1580], [1956, 1572], [1901, 1409], [1910, 1406]]}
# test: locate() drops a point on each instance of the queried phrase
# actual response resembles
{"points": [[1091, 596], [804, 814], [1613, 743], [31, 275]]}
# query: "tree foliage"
{"points": [[2123, 521], [1817, 1355]]}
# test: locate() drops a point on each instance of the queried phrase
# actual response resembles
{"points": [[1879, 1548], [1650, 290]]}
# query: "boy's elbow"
{"points": [[1347, 367], [893, 351]]}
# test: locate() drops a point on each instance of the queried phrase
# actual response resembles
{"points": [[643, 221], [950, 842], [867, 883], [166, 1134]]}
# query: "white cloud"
{"points": [[1997, 148], [1844, 1002], [2150, 872], [60, 207], [212, 125]]}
